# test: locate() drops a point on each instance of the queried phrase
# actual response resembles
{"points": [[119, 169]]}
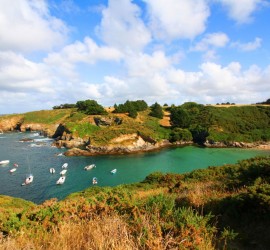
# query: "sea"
{"points": [[34, 154]]}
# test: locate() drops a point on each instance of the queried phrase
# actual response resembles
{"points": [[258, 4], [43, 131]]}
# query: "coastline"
{"points": [[148, 147]]}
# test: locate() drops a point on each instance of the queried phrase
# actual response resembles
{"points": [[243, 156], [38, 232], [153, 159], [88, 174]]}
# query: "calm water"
{"points": [[38, 157]]}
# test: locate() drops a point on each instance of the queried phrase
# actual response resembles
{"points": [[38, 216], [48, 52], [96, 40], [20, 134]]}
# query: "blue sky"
{"points": [[168, 51]]}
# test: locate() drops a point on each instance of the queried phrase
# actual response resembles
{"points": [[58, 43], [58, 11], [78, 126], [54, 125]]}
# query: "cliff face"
{"points": [[125, 144], [11, 123], [17, 123]]}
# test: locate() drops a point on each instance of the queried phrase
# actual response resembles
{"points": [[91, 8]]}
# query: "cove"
{"points": [[37, 156]]}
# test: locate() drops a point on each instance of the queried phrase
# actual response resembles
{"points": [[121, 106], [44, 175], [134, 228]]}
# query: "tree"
{"points": [[156, 111], [139, 105], [90, 107], [180, 117], [199, 134], [132, 113], [179, 134]]}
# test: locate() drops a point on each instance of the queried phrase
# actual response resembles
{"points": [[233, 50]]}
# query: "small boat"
{"points": [[4, 162], [61, 180], [63, 172], [12, 170], [65, 165], [52, 170], [89, 167], [16, 165], [114, 171], [94, 181], [28, 180]]}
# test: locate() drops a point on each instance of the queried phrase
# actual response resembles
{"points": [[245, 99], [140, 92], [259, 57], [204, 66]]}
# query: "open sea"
{"points": [[37, 157]]}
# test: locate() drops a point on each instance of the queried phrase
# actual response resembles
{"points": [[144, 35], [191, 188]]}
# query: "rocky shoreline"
{"points": [[125, 144]]}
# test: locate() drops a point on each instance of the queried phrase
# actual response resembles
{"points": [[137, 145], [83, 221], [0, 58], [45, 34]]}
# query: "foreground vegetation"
{"points": [[224, 207]]}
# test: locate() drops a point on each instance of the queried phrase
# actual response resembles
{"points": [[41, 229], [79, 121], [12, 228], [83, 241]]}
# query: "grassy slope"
{"points": [[244, 123], [215, 208]]}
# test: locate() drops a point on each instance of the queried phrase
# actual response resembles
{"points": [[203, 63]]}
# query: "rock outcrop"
{"points": [[11, 123], [124, 144], [260, 145]]}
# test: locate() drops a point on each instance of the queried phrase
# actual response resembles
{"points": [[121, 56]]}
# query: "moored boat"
{"points": [[95, 181], [61, 180], [28, 180], [52, 170], [4, 162], [114, 171], [63, 172], [89, 167], [65, 165], [12, 170]]}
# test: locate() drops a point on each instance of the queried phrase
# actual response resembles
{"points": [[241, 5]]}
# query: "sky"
{"points": [[54, 52]]}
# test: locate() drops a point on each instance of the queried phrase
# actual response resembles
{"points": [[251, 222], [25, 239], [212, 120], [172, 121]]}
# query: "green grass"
{"points": [[47, 116], [82, 129]]}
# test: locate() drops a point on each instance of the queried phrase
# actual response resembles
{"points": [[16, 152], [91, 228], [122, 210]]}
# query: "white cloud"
{"points": [[248, 46], [241, 10], [141, 64], [173, 19], [214, 83], [213, 40], [81, 52], [28, 26], [122, 27], [17, 74]]}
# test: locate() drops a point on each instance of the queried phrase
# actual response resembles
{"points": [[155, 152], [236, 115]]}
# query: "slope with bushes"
{"points": [[217, 208]]}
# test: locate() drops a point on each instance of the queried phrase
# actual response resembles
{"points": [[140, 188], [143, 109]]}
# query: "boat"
{"points": [[89, 167], [12, 170], [65, 165], [63, 172], [61, 180], [94, 181], [4, 162], [16, 165], [29, 179], [52, 170], [114, 171]]}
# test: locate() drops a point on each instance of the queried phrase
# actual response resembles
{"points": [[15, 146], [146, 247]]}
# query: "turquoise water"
{"points": [[38, 157]]}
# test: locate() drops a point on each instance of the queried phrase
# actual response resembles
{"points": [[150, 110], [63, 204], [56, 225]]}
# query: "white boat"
{"points": [[61, 180], [89, 167], [63, 172], [94, 181], [4, 162], [65, 165], [114, 171], [12, 170], [52, 170], [28, 180]]}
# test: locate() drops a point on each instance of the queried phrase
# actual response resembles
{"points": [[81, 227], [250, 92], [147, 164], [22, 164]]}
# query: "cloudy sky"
{"points": [[170, 51]]}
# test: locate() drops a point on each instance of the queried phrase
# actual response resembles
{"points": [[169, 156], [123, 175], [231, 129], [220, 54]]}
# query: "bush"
{"points": [[90, 107]]}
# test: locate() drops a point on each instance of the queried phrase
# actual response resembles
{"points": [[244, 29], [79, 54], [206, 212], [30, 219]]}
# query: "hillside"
{"points": [[224, 207], [118, 133]]}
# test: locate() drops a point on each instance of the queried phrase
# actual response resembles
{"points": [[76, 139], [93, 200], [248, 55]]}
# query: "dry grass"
{"points": [[142, 194], [109, 232], [165, 122]]}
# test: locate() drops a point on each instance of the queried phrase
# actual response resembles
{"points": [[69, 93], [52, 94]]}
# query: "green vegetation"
{"points": [[246, 123], [216, 208], [131, 107], [156, 111], [65, 106], [204, 123], [90, 107], [47, 116]]}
